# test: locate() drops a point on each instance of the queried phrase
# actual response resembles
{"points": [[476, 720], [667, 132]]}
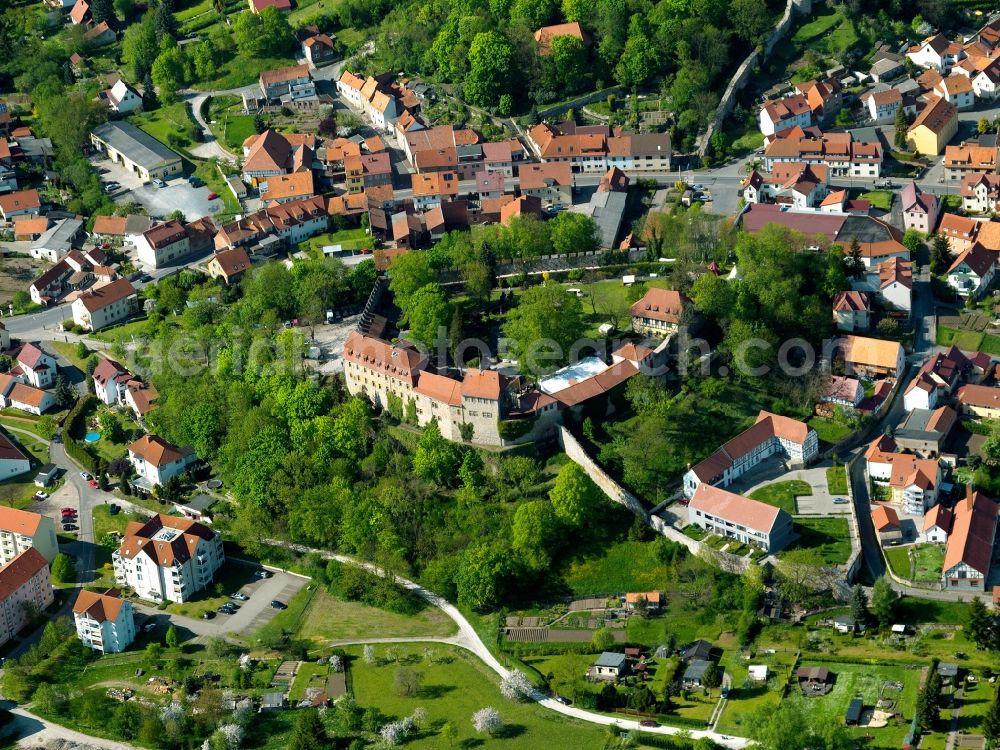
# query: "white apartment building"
{"points": [[168, 558], [104, 622], [157, 461], [25, 586], [22, 530]]}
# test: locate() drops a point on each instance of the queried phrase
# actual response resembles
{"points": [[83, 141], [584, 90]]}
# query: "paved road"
{"points": [[469, 639]]}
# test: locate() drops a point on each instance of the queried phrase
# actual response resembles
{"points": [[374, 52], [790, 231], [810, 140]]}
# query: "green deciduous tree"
{"points": [[492, 72], [64, 568], [428, 314], [409, 272], [482, 575], [140, 47], [543, 328], [248, 31], [859, 604], [750, 18], [575, 498], [602, 639], [308, 733], [883, 601], [436, 459], [278, 35], [533, 533], [991, 721], [980, 626], [574, 233]]}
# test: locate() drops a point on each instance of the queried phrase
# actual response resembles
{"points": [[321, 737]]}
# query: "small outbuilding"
{"points": [[609, 667], [46, 475], [853, 716]]}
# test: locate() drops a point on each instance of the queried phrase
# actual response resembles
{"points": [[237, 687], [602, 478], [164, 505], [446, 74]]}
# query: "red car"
{"points": [[67, 509], [93, 484], [213, 196]]}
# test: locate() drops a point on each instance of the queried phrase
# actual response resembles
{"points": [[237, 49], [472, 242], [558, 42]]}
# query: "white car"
{"points": [[158, 182], [85, 476], [41, 495]]}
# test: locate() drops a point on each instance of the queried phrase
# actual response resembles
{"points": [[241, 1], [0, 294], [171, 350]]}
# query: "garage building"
{"points": [[139, 152]]}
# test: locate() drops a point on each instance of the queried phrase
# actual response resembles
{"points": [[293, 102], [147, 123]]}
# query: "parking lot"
{"points": [[254, 613], [159, 202]]}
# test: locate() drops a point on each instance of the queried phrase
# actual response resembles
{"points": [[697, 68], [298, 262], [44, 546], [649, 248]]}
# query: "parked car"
{"points": [[41, 495], [278, 605], [195, 181], [111, 187], [224, 610], [93, 484], [564, 700], [213, 196], [85, 476], [69, 527], [145, 277], [262, 574], [69, 509], [150, 626], [239, 596], [840, 501], [649, 723], [208, 615], [158, 182]]}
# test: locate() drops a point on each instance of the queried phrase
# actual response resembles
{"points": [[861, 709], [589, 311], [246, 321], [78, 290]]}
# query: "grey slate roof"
{"points": [[610, 659], [137, 146]]}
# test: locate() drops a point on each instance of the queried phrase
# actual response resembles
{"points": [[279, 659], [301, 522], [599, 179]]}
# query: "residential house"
{"points": [[284, 188], [525, 205], [102, 306], [17, 395], [489, 184], [37, 367], [319, 49], [732, 516], [781, 114], [981, 401], [167, 558], [922, 392], [122, 98], [79, 15], [872, 357], [852, 311], [550, 182], [610, 666], [229, 265], [25, 588], [843, 391], [972, 272], [158, 461], [21, 203], [694, 673], [986, 83], [882, 105], [163, 244], [104, 622], [886, 523], [61, 236], [980, 192], [659, 312], [889, 67], [139, 397], [937, 525], [288, 85], [545, 35], [349, 86], [648, 600], [956, 89], [110, 379], [21, 530], [936, 52], [770, 435], [967, 159], [924, 432], [920, 209], [431, 188], [959, 230], [75, 270], [825, 97], [969, 549], [912, 481], [99, 35], [934, 127], [272, 153], [136, 150]]}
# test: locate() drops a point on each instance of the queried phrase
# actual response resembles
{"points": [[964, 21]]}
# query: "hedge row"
{"points": [[72, 431]]}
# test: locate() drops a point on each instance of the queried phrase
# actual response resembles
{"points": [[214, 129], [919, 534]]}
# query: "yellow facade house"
{"points": [[934, 127]]}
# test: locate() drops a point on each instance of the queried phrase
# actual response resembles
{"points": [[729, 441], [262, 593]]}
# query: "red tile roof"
{"points": [[735, 508]]}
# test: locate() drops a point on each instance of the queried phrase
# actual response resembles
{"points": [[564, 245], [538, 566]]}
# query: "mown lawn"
{"points": [[167, 119], [348, 239], [619, 568], [328, 618], [836, 480], [453, 687], [230, 578], [603, 300], [137, 328], [968, 340], [747, 697], [929, 559], [829, 431], [881, 199], [68, 351], [829, 538], [782, 494], [899, 560]]}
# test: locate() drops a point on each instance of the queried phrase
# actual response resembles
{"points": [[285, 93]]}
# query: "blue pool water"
{"points": [[92, 437]]}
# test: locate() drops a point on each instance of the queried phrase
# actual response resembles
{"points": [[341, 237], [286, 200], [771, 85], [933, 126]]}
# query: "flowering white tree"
{"points": [[392, 734], [369, 654], [419, 716], [516, 685], [233, 734], [337, 663], [487, 720]]}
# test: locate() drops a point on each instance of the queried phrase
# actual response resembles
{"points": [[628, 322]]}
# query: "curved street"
{"points": [[469, 639]]}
